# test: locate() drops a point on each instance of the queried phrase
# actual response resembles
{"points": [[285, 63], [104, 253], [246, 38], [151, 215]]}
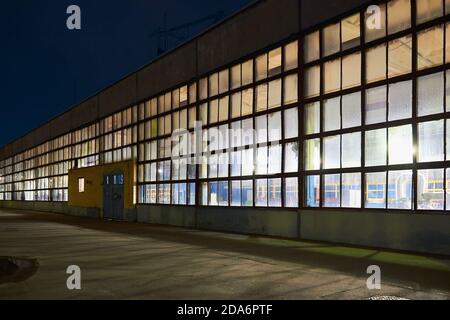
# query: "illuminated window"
{"points": [[400, 100], [431, 141], [291, 56], [274, 62], [430, 189], [351, 71], [399, 15], [331, 36], [375, 27], [332, 75], [332, 114], [400, 56], [376, 63], [400, 145], [376, 147], [428, 10], [312, 81], [291, 192], [332, 152], [332, 191], [312, 154], [351, 110], [312, 198], [375, 190], [351, 190], [430, 94], [312, 118], [81, 186], [351, 32], [311, 50], [400, 188], [376, 105], [430, 48]]}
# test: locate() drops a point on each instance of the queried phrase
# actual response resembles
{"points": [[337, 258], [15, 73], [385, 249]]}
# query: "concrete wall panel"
{"points": [[176, 67], [250, 30], [118, 97]]}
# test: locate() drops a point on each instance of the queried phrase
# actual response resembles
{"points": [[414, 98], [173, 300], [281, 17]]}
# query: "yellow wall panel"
{"points": [[92, 197]]}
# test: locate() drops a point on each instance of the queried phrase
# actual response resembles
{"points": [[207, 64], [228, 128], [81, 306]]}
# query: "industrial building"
{"points": [[346, 105]]}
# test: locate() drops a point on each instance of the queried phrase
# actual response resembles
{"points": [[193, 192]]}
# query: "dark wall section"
{"points": [[175, 68], [267, 23], [317, 11]]}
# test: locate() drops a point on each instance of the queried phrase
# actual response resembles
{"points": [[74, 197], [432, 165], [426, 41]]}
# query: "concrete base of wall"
{"points": [[409, 232]]}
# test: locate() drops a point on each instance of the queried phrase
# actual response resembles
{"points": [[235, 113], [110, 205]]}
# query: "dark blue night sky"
{"points": [[47, 68]]}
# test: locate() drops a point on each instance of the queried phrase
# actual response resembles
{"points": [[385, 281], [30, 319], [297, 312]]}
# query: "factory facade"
{"points": [[318, 120]]}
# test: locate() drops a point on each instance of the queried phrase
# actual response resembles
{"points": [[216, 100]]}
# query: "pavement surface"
{"points": [[121, 260]]}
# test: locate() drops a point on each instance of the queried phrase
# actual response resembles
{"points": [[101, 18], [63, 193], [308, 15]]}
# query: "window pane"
{"points": [[312, 82], [400, 189], [400, 100], [261, 97], [351, 32], [247, 102], [331, 39], [291, 56], [235, 193], [376, 147], [291, 192], [274, 62], [261, 161], [351, 150], [430, 94], [430, 48], [332, 152], [291, 157], [261, 193], [312, 194], [351, 71], [274, 192], [291, 123], [247, 193], [399, 15], [247, 72], [332, 114], [236, 76], [400, 56], [223, 81], [376, 63], [376, 105], [375, 197], [274, 159], [261, 67], [312, 154], [400, 145], [431, 141], [213, 84], [223, 193], [332, 75], [274, 126], [351, 190], [430, 189], [448, 144], [332, 191], [428, 10], [311, 47], [290, 89], [447, 41], [351, 110], [375, 27], [247, 162], [312, 118]]}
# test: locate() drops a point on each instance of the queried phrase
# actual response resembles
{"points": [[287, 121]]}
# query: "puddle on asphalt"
{"points": [[14, 269]]}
